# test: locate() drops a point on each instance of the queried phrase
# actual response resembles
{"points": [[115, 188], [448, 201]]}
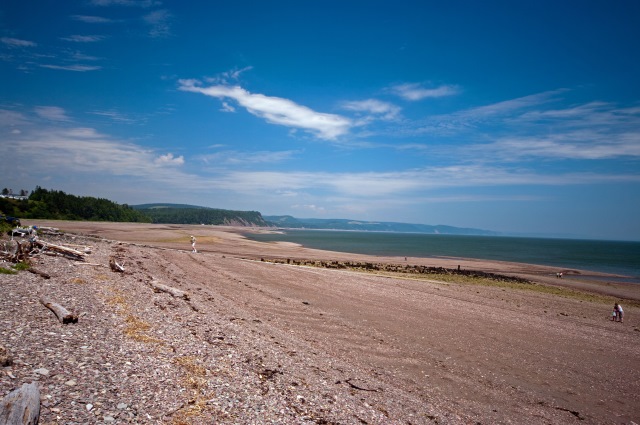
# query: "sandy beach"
{"points": [[258, 342]]}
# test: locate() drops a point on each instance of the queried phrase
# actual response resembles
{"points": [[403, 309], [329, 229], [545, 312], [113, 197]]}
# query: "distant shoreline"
{"points": [[589, 257]]}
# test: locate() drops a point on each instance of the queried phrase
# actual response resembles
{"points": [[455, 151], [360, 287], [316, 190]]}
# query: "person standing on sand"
{"points": [[193, 243], [617, 308]]}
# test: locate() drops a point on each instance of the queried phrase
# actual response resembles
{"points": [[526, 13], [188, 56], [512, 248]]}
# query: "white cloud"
{"points": [[277, 110], [386, 110], [235, 158], [159, 21], [16, 42], [75, 68], [10, 118], [78, 56], [402, 183], [415, 91], [117, 116], [590, 131], [578, 145], [169, 159], [227, 108], [90, 155], [227, 77], [92, 19], [131, 3], [511, 106], [52, 113], [83, 38]]}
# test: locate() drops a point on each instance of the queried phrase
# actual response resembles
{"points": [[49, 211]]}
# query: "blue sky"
{"points": [[519, 117]]}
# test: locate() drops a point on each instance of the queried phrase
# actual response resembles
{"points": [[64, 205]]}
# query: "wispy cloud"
{"points": [[85, 150], [237, 158], [472, 118], [159, 22], [9, 118], [75, 68], [401, 183], [415, 91], [52, 113], [227, 108], [129, 3], [169, 159], [16, 42], [90, 19], [79, 56], [228, 77], [115, 116], [277, 110], [574, 146], [374, 107], [510, 107], [536, 127], [83, 38]]}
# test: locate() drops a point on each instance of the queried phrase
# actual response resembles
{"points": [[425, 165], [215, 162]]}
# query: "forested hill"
{"points": [[191, 214]]}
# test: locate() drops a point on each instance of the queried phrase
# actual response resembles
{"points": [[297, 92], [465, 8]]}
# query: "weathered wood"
{"points": [[21, 406], [115, 266], [60, 249], [175, 292], [39, 273], [64, 315]]}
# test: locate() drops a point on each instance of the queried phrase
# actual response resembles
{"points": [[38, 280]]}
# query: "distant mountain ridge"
{"points": [[192, 214], [345, 224]]}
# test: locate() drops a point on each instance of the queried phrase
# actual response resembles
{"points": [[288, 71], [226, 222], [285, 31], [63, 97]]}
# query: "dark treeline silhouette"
{"points": [[57, 205]]}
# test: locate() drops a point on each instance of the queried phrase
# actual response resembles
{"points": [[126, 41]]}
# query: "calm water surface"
{"points": [[617, 257]]}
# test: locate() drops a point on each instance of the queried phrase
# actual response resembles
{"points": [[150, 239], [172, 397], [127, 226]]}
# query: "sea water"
{"points": [[616, 257]]}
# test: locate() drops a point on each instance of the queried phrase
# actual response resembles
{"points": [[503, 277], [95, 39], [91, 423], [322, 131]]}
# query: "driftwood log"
{"points": [[64, 315], [69, 252], [21, 406], [39, 273], [175, 292], [115, 266]]}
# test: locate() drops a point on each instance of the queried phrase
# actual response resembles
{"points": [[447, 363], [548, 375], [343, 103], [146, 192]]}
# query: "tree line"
{"points": [[58, 205], [177, 215]]}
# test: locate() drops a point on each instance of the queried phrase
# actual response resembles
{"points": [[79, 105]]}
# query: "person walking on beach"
{"points": [[193, 243], [619, 312]]}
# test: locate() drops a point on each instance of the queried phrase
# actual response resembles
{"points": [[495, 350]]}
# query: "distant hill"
{"points": [[344, 224], [192, 214]]}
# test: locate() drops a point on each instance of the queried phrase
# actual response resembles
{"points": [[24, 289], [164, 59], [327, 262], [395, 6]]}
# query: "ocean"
{"points": [[615, 257]]}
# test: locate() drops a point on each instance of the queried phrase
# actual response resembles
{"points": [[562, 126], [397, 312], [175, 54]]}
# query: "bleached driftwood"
{"points": [[21, 406], [61, 250], [64, 315], [175, 292], [115, 266]]}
